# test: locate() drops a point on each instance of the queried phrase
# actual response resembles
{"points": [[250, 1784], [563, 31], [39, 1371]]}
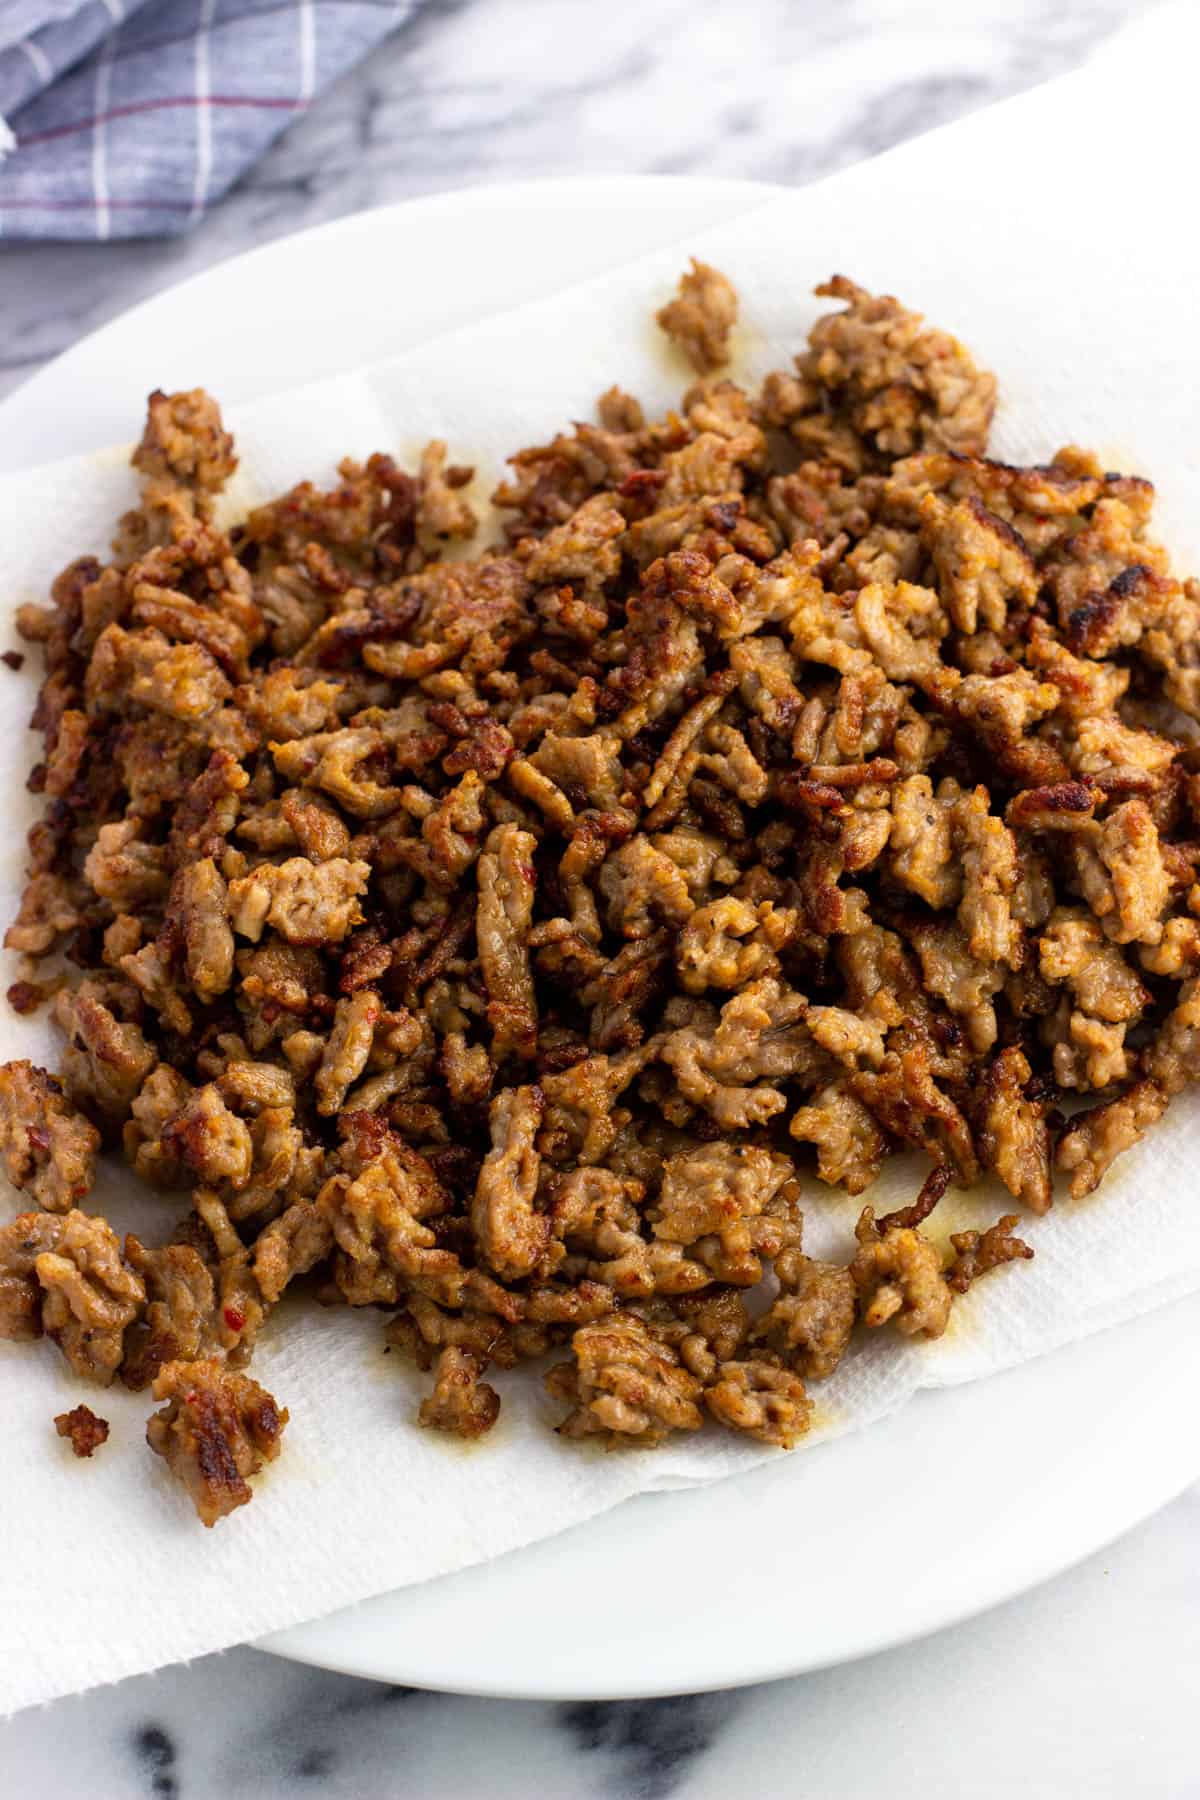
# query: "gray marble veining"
{"points": [[1087, 1686]]}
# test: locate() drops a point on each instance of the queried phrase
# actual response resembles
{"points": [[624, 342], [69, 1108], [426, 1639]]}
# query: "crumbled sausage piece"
{"points": [[125, 871], [153, 1154], [66, 758], [623, 1385], [182, 681], [761, 1399], [709, 1198], [291, 703], [1086, 1052], [1074, 950], [882, 383], [1001, 712], [989, 866], [339, 763], [848, 1037], [767, 673], [377, 1216], [451, 832], [240, 1309], [984, 565], [1123, 876], [931, 1193], [850, 1145], [623, 990], [210, 1140], [505, 908], [83, 1428], [178, 1316], [151, 970], [956, 976], [1177, 953], [49, 1149], [580, 1103], [501, 1337], [728, 758], [642, 885], [1173, 1059], [216, 1430], [50, 906], [282, 977], [977, 1252], [89, 1296], [899, 1277], [443, 512], [921, 842], [1012, 1136], [509, 1232], [251, 1087], [461, 1402], [809, 1324], [1094, 1140], [728, 942], [586, 769], [907, 1101], [208, 810], [707, 1328], [281, 1166], [200, 908], [898, 626], [22, 1241], [347, 1048], [582, 550], [1105, 748], [184, 446], [1086, 687], [702, 316], [467, 1068], [177, 617], [761, 1037], [291, 1245], [106, 1059], [596, 1216], [306, 902]]}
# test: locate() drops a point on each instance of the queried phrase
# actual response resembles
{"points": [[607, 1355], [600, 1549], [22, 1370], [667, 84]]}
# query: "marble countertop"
{"points": [[1089, 1685], [473, 91]]}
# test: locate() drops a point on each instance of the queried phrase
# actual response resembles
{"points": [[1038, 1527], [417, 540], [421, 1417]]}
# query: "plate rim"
{"points": [[867, 1644], [321, 235]]}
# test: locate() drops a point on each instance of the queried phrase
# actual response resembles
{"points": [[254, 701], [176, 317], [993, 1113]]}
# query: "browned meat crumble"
{"points": [[85, 1431], [516, 941], [216, 1428], [701, 316]]}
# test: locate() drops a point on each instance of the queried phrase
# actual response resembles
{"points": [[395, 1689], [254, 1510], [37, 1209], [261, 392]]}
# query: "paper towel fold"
{"points": [[1046, 234]]}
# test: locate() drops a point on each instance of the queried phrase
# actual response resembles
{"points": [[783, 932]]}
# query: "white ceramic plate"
{"points": [[964, 1498], [352, 292]]}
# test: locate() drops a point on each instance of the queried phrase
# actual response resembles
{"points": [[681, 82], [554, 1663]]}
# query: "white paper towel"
{"points": [[1047, 233]]}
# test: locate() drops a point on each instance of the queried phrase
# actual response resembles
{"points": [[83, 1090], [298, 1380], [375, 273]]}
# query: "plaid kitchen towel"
{"points": [[128, 118]]}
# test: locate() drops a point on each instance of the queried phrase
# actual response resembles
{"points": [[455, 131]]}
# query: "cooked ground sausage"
{"points": [[515, 941]]}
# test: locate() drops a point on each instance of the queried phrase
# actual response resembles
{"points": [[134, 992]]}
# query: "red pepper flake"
{"points": [[235, 1320], [13, 659]]}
